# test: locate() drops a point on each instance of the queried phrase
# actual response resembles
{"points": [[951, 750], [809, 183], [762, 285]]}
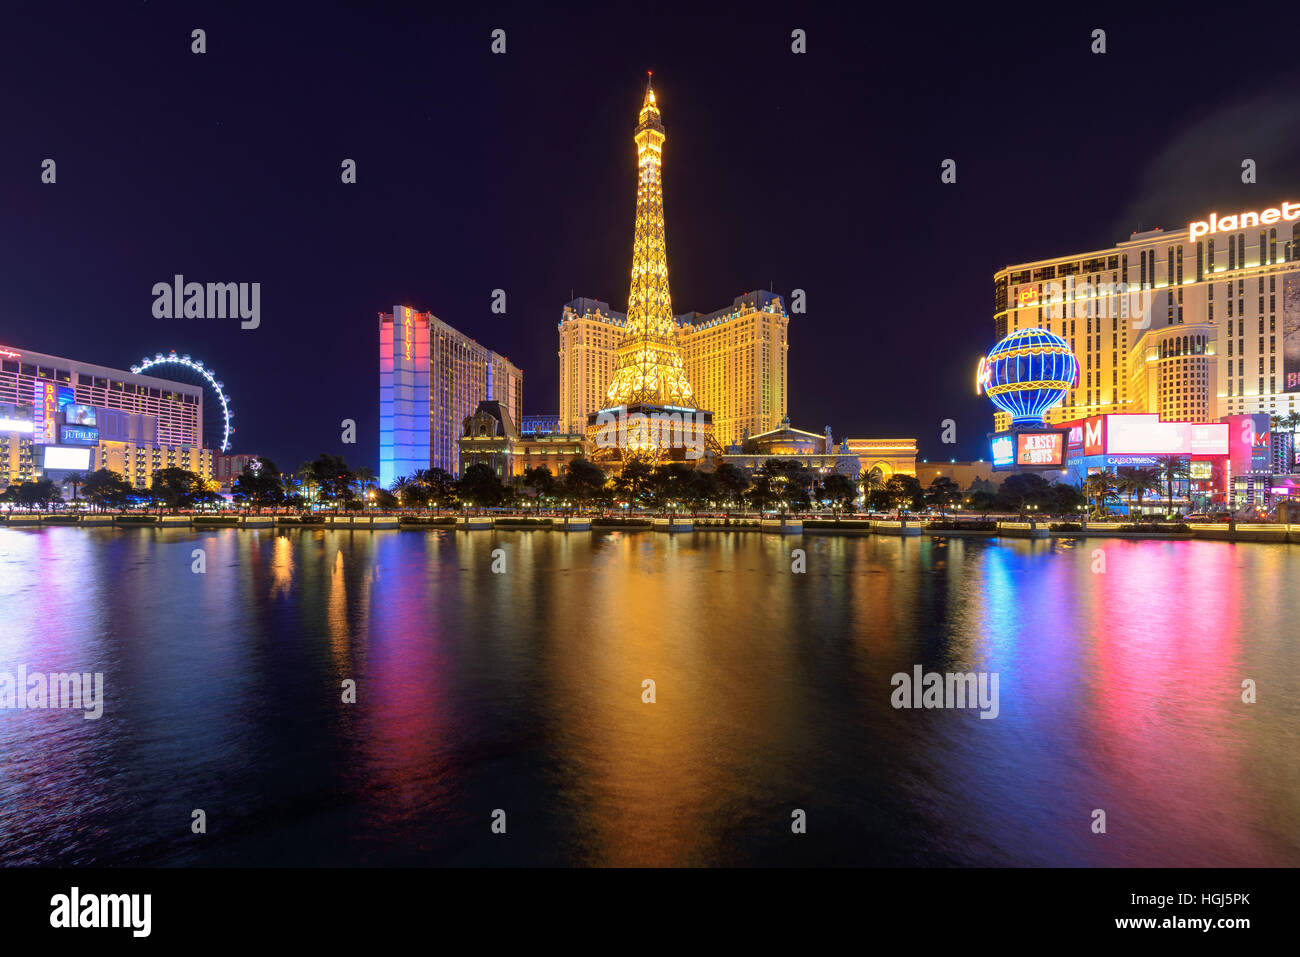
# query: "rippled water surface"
{"points": [[522, 691]]}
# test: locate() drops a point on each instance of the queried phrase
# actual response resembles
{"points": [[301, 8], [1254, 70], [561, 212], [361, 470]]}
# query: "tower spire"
{"points": [[648, 367]]}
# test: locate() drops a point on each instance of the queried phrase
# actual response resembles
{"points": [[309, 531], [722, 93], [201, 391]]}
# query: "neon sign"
{"points": [[1028, 297], [9, 353], [49, 406], [1267, 217], [1043, 449], [983, 375], [408, 334]]}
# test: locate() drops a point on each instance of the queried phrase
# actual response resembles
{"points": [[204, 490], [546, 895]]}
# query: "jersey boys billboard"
{"points": [[1029, 450]]}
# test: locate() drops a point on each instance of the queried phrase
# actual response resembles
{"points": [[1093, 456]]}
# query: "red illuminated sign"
{"points": [[1040, 449], [1094, 435]]}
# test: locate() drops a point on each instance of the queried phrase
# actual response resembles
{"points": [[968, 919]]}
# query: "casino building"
{"points": [[431, 379], [59, 417], [1193, 324], [734, 358]]}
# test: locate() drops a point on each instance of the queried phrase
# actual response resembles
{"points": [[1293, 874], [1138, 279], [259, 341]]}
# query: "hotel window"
{"points": [[1241, 249]]}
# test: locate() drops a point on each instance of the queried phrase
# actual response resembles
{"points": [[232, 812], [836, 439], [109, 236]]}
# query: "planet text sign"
{"points": [[1250, 220]]}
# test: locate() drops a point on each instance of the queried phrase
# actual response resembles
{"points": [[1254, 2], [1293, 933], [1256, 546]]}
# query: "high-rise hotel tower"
{"points": [[432, 378], [1194, 324], [734, 358]]}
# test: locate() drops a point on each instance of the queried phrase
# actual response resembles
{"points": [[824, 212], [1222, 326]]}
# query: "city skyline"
{"points": [[771, 161]]}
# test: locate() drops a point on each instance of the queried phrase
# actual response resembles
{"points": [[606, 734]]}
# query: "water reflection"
{"points": [[521, 689]]}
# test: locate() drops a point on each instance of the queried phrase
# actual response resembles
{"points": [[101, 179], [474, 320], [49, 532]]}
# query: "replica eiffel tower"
{"points": [[649, 378]]}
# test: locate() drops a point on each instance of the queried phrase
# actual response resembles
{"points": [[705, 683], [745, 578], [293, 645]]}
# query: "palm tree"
{"points": [[1143, 479], [364, 478], [872, 480], [1173, 468], [1100, 488], [310, 480], [401, 487], [75, 480], [1126, 485]]}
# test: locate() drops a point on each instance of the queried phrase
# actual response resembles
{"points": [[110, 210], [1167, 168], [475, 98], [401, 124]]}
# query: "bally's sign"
{"points": [[1267, 217]]}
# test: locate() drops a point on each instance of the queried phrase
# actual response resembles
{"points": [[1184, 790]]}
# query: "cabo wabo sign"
{"points": [[1266, 217]]}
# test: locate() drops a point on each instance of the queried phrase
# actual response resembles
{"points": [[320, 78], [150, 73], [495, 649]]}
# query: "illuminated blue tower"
{"points": [[1026, 374]]}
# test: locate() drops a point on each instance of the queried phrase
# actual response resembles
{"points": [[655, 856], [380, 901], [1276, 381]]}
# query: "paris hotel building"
{"points": [[734, 359], [1186, 323]]}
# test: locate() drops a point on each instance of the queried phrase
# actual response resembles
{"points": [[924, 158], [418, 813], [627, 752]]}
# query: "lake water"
{"points": [[522, 691]]}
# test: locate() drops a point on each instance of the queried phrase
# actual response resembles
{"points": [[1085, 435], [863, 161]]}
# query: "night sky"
{"points": [[477, 171]]}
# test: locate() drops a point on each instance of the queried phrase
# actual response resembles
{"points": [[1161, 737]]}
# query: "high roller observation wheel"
{"points": [[197, 366]]}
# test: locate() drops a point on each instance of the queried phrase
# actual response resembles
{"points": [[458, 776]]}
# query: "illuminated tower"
{"points": [[648, 369]]}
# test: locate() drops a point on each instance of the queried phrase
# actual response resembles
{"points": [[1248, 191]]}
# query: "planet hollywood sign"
{"points": [[1287, 212]]}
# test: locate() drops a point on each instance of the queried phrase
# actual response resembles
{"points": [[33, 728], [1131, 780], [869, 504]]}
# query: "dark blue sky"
{"points": [[477, 171]]}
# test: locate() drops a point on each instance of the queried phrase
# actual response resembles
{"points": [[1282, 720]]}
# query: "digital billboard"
{"points": [[78, 435], [1249, 442], [1041, 449], [74, 414], [1291, 334], [17, 418], [1003, 449], [1145, 434], [64, 457], [1029, 450]]}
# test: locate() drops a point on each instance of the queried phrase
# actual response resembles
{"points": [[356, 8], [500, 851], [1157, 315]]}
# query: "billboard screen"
{"points": [[1003, 450], [1030, 450], [1291, 334], [17, 418], [74, 414], [78, 435], [1145, 434], [62, 457], [1041, 449]]}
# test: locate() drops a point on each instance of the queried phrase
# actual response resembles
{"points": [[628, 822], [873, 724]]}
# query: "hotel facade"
{"points": [[734, 358], [431, 379], [1193, 324], [62, 416]]}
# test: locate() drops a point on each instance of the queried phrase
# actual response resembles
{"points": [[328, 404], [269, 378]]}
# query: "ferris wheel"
{"points": [[216, 429]]}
